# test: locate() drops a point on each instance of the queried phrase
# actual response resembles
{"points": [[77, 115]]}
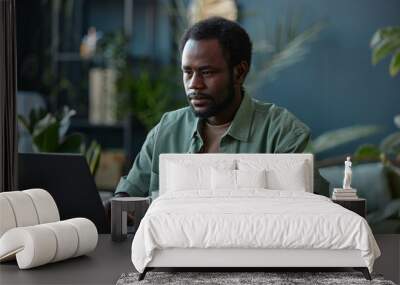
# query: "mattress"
{"points": [[250, 219]]}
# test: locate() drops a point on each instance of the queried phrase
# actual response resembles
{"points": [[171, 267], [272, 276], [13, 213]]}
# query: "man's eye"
{"points": [[207, 72], [187, 72]]}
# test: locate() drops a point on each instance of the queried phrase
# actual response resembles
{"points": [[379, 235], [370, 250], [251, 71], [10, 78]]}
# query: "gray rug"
{"points": [[230, 278]]}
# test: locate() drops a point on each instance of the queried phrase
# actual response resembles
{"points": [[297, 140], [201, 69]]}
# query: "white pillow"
{"points": [[251, 178], [293, 179], [184, 175], [223, 179], [281, 174], [237, 179]]}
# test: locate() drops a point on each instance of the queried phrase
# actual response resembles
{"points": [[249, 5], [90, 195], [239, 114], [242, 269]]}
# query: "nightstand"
{"points": [[358, 206]]}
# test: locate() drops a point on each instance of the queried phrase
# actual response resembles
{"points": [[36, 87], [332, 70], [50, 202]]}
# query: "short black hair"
{"points": [[234, 40]]}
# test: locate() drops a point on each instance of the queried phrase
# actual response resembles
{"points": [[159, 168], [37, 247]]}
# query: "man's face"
{"points": [[207, 78]]}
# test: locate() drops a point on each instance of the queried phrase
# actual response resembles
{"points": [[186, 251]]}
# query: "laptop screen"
{"points": [[68, 179]]}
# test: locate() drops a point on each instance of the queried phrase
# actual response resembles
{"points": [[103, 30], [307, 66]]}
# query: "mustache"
{"points": [[194, 95]]}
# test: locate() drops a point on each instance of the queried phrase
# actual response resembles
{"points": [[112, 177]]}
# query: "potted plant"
{"points": [[48, 133]]}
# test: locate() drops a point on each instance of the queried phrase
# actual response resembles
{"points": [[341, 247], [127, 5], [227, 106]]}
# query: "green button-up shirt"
{"points": [[256, 128]]}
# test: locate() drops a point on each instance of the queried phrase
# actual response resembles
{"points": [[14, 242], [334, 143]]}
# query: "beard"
{"points": [[213, 108]]}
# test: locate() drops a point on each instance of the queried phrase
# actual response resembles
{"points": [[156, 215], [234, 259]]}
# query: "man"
{"points": [[221, 117]]}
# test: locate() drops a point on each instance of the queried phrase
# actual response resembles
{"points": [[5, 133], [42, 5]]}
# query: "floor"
{"points": [[389, 262], [110, 260]]}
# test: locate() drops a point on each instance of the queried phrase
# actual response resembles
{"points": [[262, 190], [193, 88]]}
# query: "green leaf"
{"points": [[384, 33], [392, 209], [65, 120], [384, 49], [45, 138], [43, 124], [394, 67], [341, 136], [309, 148], [397, 120], [367, 152], [391, 144], [285, 54], [24, 122], [35, 115], [71, 144], [93, 156], [376, 38]]}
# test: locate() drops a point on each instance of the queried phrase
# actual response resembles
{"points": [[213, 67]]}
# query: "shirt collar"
{"points": [[196, 127], [241, 123]]}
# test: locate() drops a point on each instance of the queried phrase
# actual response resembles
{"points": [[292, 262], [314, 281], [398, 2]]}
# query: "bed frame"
{"points": [[245, 258]]}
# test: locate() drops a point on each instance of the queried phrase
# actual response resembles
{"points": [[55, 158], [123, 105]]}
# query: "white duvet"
{"points": [[252, 218]]}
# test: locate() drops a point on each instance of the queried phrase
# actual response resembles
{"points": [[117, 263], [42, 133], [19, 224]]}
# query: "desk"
{"points": [[102, 266], [110, 259]]}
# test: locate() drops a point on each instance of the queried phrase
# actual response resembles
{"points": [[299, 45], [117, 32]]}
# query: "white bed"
{"points": [[247, 210]]}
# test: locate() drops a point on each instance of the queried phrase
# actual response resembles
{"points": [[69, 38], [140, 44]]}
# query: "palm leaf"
{"points": [[384, 33], [92, 155], [397, 121], [391, 144], [45, 138], [342, 136], [71, 144], [284, 56], [392, 209], [65, 121], [384, 49], [385, 42], [24, 122], [394, 67], [367, 152]]}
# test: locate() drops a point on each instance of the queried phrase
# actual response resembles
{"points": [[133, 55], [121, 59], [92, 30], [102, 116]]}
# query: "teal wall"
{"points": [[335, 86]]}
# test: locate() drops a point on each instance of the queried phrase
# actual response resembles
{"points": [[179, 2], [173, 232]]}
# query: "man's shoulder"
{"points": [[177, 117], [278, 115], [260, 106]]}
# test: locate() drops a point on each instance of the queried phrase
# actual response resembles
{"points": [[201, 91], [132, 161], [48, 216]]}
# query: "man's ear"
{"points": [[240, 71]]}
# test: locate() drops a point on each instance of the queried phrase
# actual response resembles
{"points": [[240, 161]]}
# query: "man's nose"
{"points": [[197, 81]]}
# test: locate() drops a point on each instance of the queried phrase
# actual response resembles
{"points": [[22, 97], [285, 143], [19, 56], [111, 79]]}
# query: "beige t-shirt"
{"points": [[211, 135]]}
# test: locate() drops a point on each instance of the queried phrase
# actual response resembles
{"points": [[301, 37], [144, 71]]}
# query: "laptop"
{"points": [[68, 179]]}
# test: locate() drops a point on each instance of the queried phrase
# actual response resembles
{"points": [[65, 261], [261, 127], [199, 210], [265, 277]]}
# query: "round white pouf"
{"points": [[67, 240], [45, 205], [7, 218], [87, 233], [40, 244], [32, 246], [23, 208]]}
